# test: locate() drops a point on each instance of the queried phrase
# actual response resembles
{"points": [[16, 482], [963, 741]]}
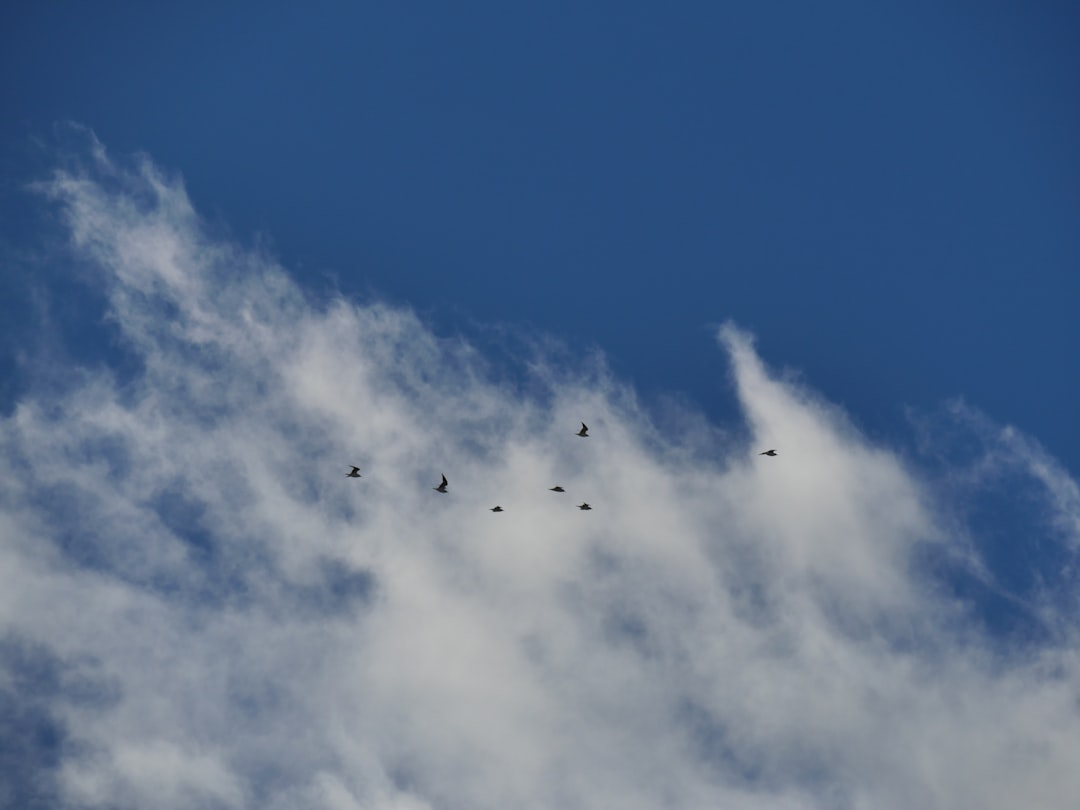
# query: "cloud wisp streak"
{"points": [[199, 608]]}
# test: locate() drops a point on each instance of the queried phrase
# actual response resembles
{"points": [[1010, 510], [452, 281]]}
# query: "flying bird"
{"points": [[584, 432], [556, 489], [354, 474], [768, 453], [442, 487], [497, 509], [584, 507]]}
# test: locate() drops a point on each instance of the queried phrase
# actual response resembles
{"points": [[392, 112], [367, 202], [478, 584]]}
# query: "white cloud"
{"points": [[236, 623]]}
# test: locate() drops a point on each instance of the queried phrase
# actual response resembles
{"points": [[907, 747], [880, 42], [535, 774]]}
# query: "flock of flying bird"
{"points": [[583, 506]]}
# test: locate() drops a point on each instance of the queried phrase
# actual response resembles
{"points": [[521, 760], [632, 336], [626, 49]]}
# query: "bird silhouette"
{"points": [[442, 487], [768, 453], [556, 488], [584, 507], [497, 509], [584, 432], [354, 474]]}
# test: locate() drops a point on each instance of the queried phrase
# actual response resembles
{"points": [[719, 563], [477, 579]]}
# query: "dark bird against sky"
{"points": [[354, 474], [768, 453], [442, 487], [584, 432]]}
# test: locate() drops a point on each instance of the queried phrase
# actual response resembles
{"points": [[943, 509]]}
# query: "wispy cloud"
{"points": [[199, 608]]}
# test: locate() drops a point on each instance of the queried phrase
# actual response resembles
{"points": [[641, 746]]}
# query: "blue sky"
{"points": [[260, 239], [886, 196]]}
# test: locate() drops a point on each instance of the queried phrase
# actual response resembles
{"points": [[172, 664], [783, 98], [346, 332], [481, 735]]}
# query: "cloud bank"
{"points": [[200, 610]]}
